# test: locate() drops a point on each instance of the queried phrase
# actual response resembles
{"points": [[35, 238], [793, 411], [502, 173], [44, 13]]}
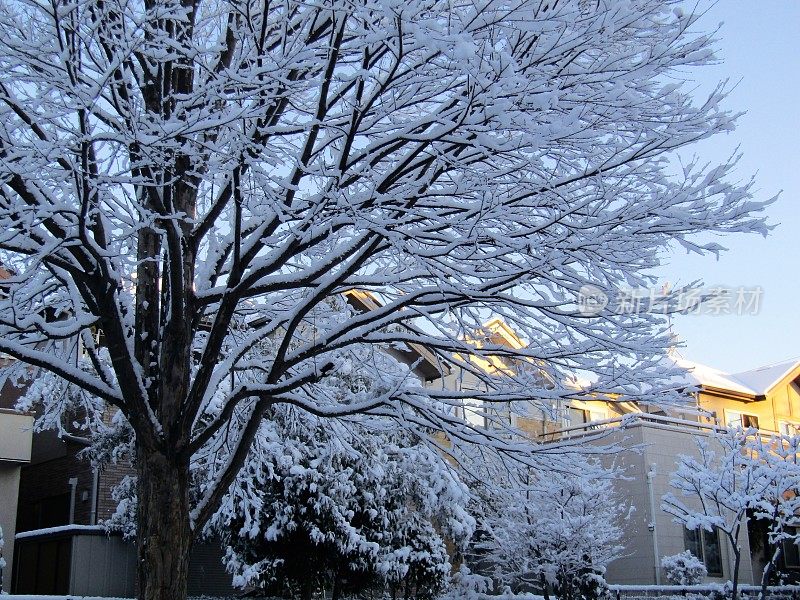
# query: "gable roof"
{"points": [[763, 379], [502, 334], [428, 364], [753, 384]]}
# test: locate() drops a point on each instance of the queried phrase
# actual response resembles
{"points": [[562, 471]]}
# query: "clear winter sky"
{"points": [[759, 43]]}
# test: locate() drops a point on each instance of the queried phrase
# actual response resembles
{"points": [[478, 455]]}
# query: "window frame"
{"points": [[794, 553], [788, 428], [698, 543], [586, 416], [731, 415], [790, 543], [582, 413]]}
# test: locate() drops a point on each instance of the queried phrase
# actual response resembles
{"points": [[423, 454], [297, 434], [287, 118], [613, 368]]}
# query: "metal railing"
{"points": [[628, 420], [710, 591], [631, 419]]}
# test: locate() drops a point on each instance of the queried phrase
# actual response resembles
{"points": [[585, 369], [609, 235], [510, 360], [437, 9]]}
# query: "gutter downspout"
{"points": [[652, 525], [73, 484], [95, 490]]}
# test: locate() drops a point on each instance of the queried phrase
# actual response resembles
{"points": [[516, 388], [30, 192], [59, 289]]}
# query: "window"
{"points": [[749, 421], [575, 417], [737, 419], [52, 511], [597, 415], [791, 552], [705, 546], [788, 429]]}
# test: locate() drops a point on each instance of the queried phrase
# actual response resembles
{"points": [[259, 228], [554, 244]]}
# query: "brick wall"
{"points": [[9, 393], [44, 487], [110, 476]]}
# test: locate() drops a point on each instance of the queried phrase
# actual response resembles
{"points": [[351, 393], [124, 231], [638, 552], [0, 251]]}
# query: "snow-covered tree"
{"points": [[779, 506], [684, 568], [719, 488], [741, 475], [186, 187], [558, 529], [343, 507]]}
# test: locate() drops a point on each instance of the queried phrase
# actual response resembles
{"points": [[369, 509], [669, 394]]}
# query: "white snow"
{"points": [[60, 529], [765, 378], [755, 382], [67, 597], [477, 185]]}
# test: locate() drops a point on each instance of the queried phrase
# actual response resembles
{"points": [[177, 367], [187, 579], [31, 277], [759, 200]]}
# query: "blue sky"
{"points": [[759, 44]]}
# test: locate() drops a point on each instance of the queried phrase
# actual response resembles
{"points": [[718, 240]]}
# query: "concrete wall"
{"points": [[9, 485], [661, 445], [15, 436], [637, 565], [15, 450]]}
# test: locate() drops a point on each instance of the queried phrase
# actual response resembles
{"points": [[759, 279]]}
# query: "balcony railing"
{"points": [[631, 419]]}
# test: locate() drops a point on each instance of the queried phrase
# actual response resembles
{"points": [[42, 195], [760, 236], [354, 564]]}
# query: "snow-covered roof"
{"points": [[756, 382], [73, 528], [765, 378]]}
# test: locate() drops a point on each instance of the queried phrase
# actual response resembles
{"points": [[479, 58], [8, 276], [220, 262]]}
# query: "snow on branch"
{"points": [[188, 191]]}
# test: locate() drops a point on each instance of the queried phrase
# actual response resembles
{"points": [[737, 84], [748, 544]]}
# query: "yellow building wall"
{"points": [[782, 404]]}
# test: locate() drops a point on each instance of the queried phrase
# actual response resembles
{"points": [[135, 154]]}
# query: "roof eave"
{"points": [[731, 394]]}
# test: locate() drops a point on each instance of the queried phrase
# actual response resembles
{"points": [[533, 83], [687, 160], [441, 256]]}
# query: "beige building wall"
{"points": [[651, 454], [15, 450], [15, 436], [650, 533]]}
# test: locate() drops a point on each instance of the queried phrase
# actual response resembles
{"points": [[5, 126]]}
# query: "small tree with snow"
{"points": [[719, 488], [343, 506], [684, 568], [558, 529], [779, 506]]}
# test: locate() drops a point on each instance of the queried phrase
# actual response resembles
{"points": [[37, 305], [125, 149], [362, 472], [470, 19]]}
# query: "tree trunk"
{"points": [[737, 557], [163, 534], [545, 587], [336, 592], [307, 592], [768, 568]]}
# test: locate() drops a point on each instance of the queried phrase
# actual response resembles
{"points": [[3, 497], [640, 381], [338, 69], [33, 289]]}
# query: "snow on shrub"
{"points": [[2, 560], [684, 568]]}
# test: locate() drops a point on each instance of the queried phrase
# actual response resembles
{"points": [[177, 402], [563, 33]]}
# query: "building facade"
{"points": [[766, 398]]}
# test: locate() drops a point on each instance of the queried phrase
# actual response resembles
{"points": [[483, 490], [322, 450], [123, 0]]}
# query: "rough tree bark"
{"points": [[164, 534], [736, 562]]}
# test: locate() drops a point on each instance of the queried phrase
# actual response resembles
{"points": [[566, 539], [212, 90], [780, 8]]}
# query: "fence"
{"points": [[710, 591]]}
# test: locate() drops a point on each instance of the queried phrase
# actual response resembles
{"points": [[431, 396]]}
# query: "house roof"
{"points": [[755, 383], [503, 334], [763, 379], [430, 366]]}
